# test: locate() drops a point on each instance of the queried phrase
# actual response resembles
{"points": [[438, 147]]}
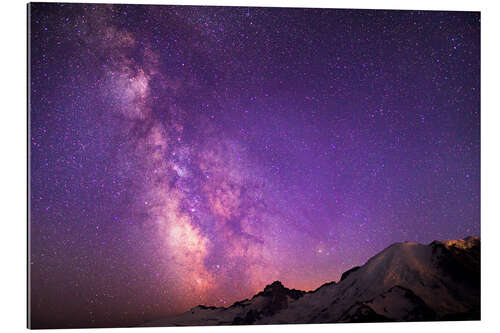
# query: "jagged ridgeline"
{"points": [[405, 282]]}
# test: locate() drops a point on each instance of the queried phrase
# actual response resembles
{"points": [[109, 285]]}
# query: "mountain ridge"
{"points": [[406, 281]]}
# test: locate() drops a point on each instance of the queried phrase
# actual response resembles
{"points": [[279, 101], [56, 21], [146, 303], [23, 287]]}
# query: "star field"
{"points": [[191, 155]]}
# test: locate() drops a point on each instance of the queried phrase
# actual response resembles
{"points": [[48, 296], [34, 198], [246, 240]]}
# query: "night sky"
{"points": [[192, 155]]}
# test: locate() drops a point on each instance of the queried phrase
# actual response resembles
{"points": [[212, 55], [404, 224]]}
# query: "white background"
{"points": [[13, 160]]}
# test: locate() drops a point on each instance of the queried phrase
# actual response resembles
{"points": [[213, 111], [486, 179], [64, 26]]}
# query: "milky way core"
{"points": [[192, 155]]}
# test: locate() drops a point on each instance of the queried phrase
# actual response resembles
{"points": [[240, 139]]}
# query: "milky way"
{"points": [[192, 155]]}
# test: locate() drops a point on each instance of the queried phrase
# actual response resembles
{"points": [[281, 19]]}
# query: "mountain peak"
{"points": [[275, 285], [277, 290], [464, 244]]}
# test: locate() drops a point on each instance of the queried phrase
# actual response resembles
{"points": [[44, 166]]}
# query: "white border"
{"points": [[13, 164]]}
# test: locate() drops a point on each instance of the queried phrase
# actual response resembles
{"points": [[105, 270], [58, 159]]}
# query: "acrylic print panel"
{"points": [[228, 165]]}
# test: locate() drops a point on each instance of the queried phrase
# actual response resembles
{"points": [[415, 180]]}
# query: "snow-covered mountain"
{"points": [[405, 282]]}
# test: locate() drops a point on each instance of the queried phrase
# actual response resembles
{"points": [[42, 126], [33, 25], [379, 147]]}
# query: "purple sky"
{"points": [[192, 155]]}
